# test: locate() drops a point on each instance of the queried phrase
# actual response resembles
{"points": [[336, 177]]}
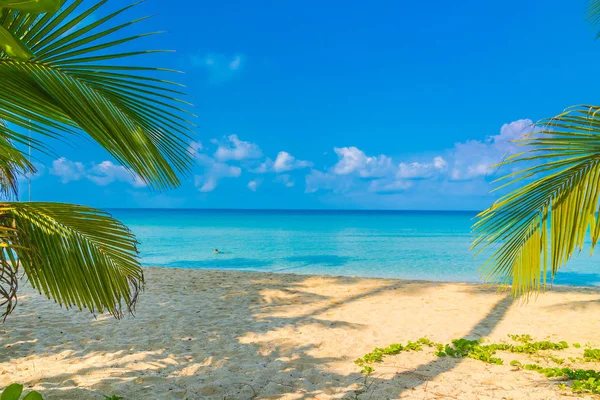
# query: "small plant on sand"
{"points": [[113, 397], [378, 353], [521, 338], [14, 392], [591, 355], [583, 381]]}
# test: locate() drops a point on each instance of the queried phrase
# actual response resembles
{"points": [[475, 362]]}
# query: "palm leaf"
{"points": [[32, 6], [593, 14], [13, 47], [13, 163], [76, 255], [535, 229], [70, 85]]}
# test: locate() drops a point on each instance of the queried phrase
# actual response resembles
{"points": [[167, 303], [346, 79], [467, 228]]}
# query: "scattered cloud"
{"points": [[254, 184], [67, 170], [352, 177], [420, 170], [219, 67], [195, 148], [474, 158], [232, 148], [214, 171], [286, 180], [356, 172], [284, 162], [107, 172], [352, 160], [101, 174]]}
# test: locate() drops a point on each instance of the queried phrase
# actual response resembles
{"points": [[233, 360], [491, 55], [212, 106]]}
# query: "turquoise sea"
{"points": [[429, 245]]}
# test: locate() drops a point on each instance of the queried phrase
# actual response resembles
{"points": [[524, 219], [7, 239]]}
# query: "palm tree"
{"points": [[536, 228], [59, 77]]}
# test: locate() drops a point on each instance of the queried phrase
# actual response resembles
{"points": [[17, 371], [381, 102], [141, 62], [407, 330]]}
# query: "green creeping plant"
{"points": [[113, 397], [14, 391], [583, 381], [591, 354]]}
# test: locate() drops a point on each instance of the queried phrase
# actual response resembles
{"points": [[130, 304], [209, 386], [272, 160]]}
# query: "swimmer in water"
{"points": [[216, 251]]}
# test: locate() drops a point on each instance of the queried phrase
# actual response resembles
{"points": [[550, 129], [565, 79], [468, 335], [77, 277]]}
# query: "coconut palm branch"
{"points": [[536, 228], [62, 76], [75, 255], [61, 81]]}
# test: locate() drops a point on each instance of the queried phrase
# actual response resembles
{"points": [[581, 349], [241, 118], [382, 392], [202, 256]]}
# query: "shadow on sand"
{"points": [[220, 350]]}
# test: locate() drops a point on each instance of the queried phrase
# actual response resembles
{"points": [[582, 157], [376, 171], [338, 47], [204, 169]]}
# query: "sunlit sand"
{"points": [[229, 335]]}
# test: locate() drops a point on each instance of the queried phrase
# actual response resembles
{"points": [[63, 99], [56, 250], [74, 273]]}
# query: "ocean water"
{"points": [[429, 245]]}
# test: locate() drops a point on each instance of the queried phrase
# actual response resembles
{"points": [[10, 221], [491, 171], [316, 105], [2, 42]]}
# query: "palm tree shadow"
{"points": [[221, 350], [209, 353], [409, 380]]}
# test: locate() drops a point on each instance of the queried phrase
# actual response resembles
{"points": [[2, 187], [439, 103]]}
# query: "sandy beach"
{"points": [[201, 334]]}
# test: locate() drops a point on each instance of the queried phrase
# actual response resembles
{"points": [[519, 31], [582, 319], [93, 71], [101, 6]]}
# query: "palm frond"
{"points": [[13, 163], [535, 229], [593, 14], [74, 83], [9, 283], [32, 6], [78, 256]]}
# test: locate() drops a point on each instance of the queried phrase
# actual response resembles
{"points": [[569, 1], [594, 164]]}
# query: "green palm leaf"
{"points": [[32, 6], [535, 229], [70, 86], [62, 77], [78, 256]]}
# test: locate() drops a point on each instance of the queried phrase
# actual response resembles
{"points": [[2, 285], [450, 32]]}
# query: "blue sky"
{"points": [[353, 104]]}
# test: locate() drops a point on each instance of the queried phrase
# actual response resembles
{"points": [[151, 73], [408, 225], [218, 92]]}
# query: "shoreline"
{"points": [[212, 334], [299, 274]]}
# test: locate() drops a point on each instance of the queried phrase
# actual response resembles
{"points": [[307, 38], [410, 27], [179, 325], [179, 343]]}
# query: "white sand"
{"points": [[227, 335]]}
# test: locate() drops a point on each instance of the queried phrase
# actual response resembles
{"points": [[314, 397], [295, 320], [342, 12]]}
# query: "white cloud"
{"points": [[101, 174], [254, 184], [195, 148], [467, 160], [513, 131], [350, 171], [214, 171], [284, 162], [235, 149], [439, 162], [474, 158], [286, 180], [219, 67], [107, 172], [352, 160], [419, 170], [67, 170], [264, 167]]}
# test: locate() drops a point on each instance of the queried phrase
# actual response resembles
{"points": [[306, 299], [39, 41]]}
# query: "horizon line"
{"points": [[287, 209]]}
